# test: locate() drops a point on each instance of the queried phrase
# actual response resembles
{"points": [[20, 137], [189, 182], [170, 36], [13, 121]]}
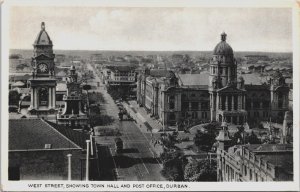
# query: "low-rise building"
{"points": [[256, 162], [118, 75], [37, 151]]}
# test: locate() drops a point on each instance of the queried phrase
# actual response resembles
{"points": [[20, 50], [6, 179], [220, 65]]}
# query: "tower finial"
{"points": [[43, 25], [223, 36]]}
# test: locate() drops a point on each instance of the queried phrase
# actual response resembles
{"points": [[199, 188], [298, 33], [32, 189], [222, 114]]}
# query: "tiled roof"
{"points": [[123, 68], [77, 137], [254, 79], [269, 147], [193, 79], [159, 72], [29, 134]]}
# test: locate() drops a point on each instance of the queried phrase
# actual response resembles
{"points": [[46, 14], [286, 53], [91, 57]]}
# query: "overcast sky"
{"points": [[248, 29]]}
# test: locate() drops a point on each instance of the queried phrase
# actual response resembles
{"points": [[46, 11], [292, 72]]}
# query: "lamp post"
{"points": [[91, 139], [69, 167], [87, 160]]}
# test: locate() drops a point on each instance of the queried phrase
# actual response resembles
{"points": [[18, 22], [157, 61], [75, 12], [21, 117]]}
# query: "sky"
{"points": [[153, 28]]}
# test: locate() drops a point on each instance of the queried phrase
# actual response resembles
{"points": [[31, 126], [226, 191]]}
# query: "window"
{"points": [[266, 104], [250, 173], [220, 71], [204, 115], [256, 104], [185, 106], [195, 106], [280, 104], [172, 116], [193, 95], [194, 115], [172, 97], [265, 114], [171, 105], [204, 105]]}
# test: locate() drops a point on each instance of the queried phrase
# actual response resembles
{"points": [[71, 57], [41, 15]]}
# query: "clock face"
{"points": [[43, 68]]}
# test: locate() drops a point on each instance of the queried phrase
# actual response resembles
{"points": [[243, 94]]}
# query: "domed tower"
{"points": [[43, 82], [222, 65], [227, 94]]}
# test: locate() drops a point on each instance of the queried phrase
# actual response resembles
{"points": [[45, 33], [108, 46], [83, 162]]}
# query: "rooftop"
{"points": [[33, 134], [193, 79]]}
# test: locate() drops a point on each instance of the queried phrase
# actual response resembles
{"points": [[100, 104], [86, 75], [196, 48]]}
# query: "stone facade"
{"points": [[255, 163], [229, 98], [43, 81], [72, 115]]}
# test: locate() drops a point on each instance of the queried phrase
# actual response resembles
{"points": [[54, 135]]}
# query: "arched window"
{"points": [[43, 96]]}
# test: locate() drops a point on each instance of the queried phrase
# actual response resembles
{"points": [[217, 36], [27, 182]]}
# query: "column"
{"points": [[218, 101], [87, 160], [239, 102], [32, 98], [213, 102], [238, 120], [49, 97], [36, 98], [54, 98], [226, 102], [69, 167], [244, 99], [232, 102]]}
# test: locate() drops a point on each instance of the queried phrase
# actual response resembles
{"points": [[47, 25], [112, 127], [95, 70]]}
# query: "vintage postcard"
{"points": [[149, 96]]}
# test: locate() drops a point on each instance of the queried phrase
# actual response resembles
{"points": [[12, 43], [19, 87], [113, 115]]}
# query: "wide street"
{"points": [[138, 161]]}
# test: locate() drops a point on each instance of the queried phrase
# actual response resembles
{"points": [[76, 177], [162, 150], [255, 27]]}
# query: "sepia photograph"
{"points": [[133, 93]]}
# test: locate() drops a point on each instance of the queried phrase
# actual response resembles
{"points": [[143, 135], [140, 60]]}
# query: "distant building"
{"points": [[249, 98], [119, 75]]}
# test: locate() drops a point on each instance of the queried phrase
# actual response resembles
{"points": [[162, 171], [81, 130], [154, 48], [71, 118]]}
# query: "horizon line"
{"points": [[150, 50]]}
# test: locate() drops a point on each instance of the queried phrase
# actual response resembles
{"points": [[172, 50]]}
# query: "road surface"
{"points": [[138, 162]]}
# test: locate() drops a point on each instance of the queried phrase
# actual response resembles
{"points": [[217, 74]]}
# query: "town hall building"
{"points": [[221, 95]]}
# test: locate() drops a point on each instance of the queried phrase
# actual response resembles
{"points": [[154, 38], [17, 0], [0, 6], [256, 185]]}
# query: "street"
{"points": [[138, 161]]}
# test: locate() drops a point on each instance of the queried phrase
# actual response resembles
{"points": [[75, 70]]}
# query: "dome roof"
{"points": [[43, 37], [223, 48]]}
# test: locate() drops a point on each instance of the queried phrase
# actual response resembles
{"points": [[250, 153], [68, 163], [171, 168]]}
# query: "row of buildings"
{"points": [[216, 96], [253, 162]]}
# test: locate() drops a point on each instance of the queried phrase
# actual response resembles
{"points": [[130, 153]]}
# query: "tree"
{"points": [[204, 141], [201, 170], [14, 97], [253, 139], [172, 165]]}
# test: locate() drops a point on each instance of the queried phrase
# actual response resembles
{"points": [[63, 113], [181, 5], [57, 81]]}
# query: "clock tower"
{"points": [[43, 82]]}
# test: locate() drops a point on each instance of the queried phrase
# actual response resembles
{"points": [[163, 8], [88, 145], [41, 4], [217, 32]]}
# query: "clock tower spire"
{"points": [[43, 82]]}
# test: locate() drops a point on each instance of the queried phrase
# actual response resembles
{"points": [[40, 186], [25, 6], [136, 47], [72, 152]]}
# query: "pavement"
{"points": [[139, 160]]}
